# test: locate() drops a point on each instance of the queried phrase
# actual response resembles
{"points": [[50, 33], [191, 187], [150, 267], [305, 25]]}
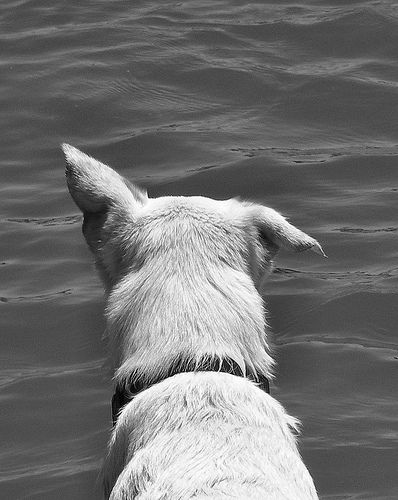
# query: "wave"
{"points": [[48, 221], [43, 297], [11, 376]]}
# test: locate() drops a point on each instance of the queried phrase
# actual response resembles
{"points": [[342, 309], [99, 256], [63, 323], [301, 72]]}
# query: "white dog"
{"points": [[187, 331]]}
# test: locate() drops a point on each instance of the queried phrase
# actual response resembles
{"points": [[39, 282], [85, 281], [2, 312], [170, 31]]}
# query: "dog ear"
{"points": [[274, 228], [95, 187]]}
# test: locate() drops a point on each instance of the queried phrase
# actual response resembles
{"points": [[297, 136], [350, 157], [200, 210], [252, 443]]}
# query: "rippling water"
{"points": [[291, 104]]}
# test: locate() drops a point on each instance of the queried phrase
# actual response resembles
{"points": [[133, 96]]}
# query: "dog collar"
{"points": [[126, 392]]}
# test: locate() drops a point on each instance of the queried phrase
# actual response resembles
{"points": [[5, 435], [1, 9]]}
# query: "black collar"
{"points": [[126, 392]]}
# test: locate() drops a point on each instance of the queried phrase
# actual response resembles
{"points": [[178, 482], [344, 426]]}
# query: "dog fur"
{"points": [[182, 278]]}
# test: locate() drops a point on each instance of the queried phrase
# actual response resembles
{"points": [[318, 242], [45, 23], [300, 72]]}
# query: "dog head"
{"points": [[182, 274]]}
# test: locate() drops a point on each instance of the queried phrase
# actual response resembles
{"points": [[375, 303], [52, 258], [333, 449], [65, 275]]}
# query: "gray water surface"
{"points": [[290, 104]]}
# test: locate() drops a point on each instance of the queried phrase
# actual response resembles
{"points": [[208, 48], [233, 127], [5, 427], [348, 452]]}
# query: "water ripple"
{"points": [[48, 221], [37, 298]]}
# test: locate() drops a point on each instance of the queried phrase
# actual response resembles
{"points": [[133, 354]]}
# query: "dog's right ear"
{"points": [[95, 187], [277, 231]]}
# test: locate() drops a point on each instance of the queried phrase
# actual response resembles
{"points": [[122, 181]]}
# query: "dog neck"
{"points": [[125, 392]]}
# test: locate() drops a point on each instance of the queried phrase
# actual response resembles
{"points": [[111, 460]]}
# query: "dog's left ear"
{"points": [[273, 227], [95, 187]]}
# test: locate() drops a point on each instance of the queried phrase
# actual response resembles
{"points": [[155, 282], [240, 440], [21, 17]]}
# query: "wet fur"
{"points": [[182, 277]]}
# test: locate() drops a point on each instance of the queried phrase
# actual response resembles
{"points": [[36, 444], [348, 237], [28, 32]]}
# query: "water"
{"points": [[290, 104]]}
